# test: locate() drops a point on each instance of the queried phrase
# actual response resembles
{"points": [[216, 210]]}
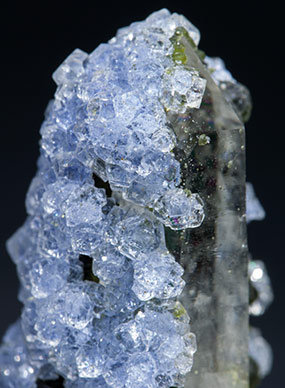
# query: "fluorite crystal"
{"points": [[260, 298], [136, 220]]}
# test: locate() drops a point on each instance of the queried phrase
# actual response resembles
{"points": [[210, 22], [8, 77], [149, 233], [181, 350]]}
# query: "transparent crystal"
{"points": [[182, 89], [157, 276], [254, 210], [179, 210], [71, 68], [260, 282], [260, 352]]}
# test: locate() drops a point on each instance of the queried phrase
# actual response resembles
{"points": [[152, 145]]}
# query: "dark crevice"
{"points": [[109, 205], [253, 293], [87, 268], [100, 184], [58, 383], [254, 379]]}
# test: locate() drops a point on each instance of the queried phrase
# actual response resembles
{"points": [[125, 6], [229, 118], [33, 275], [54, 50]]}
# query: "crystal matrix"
{"points": [[140, 182]]}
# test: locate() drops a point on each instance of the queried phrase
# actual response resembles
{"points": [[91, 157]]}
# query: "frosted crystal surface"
{"points": [[218, 70], [178, 210], [254, 209], [260, 351], [182, 89], [261, 283], [14, 358]]}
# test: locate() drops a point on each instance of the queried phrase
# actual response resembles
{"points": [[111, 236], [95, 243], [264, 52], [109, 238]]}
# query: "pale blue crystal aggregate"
{"points": [[124, 329], [254, 209], [259, 349], [261, 283]]}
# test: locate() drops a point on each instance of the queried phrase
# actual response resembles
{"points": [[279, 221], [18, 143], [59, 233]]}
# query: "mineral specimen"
{"points": [[140, 182]]}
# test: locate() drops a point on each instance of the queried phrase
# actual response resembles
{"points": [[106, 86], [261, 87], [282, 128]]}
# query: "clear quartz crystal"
{"points": [[215, 255]]}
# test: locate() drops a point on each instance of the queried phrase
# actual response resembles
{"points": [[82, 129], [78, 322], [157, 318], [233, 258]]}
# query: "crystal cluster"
{"points": [[261, 296], [143, 140], [99, 286]]}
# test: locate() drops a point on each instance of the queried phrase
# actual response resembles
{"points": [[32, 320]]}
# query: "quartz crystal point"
{"points": [[210, 147], [136, 221]]}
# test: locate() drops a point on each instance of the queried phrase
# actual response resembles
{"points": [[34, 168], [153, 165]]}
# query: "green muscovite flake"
{"points": [[178, 54], [179, 311], [203, 140]]}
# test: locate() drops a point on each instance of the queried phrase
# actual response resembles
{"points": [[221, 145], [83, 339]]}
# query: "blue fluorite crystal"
{"points": [[121, 326]]}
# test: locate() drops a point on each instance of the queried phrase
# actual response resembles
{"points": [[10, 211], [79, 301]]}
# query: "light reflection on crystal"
{"points": [[261, 283], [256, 274]]}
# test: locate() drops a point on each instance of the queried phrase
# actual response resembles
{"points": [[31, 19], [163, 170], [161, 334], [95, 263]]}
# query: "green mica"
{"points": [[179, 311], [203, 140], [178, 41]]}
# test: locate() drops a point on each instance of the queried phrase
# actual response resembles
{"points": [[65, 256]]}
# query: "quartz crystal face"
{"points": [[132, 223]]}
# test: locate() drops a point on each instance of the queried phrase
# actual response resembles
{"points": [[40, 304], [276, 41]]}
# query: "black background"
{"points": [[248, 35]]}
